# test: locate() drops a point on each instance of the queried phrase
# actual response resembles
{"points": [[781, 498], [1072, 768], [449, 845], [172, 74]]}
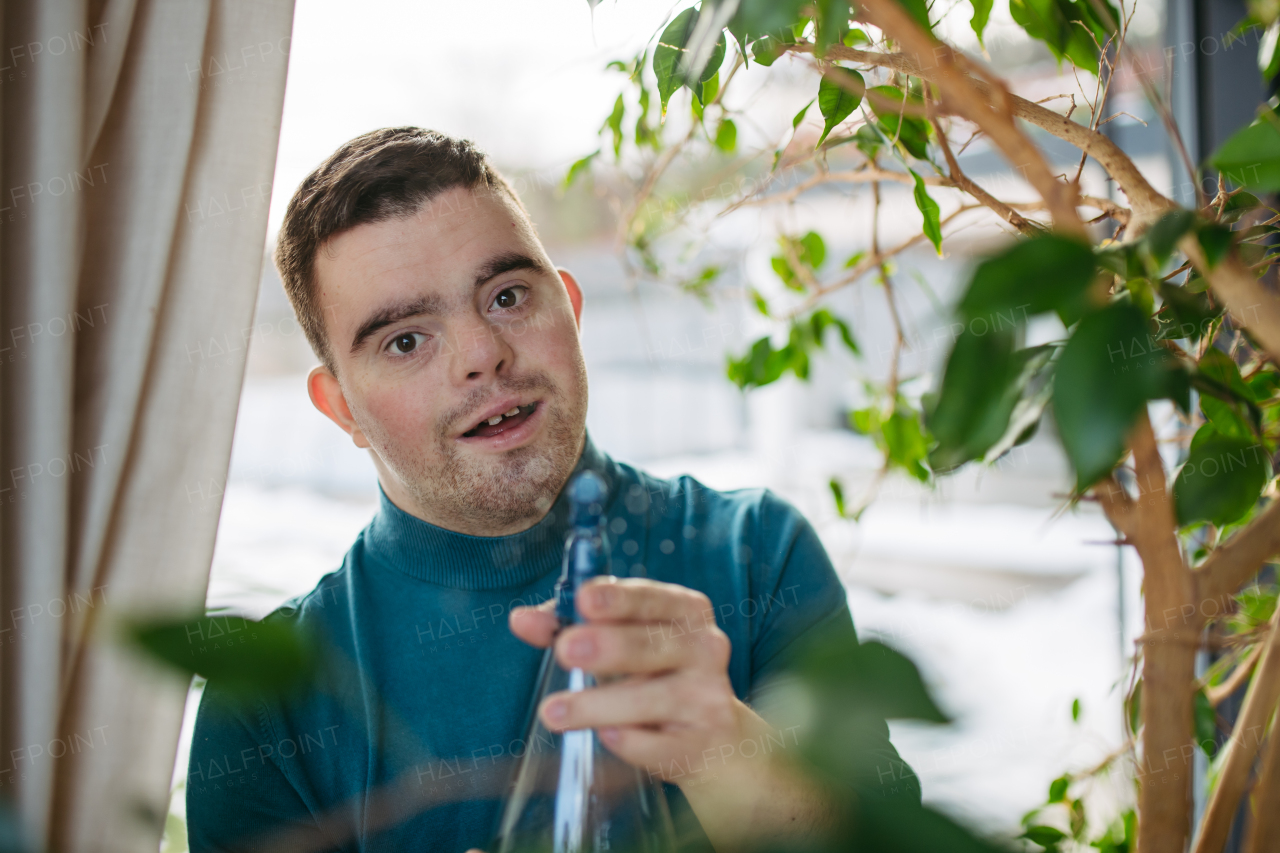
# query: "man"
{"points": [[449, 348]]}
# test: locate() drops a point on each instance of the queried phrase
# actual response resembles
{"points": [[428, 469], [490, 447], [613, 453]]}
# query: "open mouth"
{"points": [[499, 424]]}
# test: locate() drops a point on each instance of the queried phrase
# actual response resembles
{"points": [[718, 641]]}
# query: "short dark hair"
{"points": [[383, 174]]}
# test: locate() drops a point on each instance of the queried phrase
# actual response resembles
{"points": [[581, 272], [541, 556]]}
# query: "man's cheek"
{"points": [[397, 417]]}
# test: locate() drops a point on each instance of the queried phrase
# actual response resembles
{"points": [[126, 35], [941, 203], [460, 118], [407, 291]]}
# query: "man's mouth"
{"points": [[500, 423]]}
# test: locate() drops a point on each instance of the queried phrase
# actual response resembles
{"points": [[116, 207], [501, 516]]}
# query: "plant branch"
{"points": [[1239, 558], [870, 262], [1250, 304], [1264, 829], [960, 180], [964, 95], [1170, 642], [1218, 692], [1145, 199], [1242, 748]]}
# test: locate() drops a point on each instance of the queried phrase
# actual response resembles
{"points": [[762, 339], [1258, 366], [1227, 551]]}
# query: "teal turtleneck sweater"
{"points": [[405, 738]]}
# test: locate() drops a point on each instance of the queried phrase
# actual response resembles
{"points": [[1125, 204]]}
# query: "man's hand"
{"points": [[670, 708]]}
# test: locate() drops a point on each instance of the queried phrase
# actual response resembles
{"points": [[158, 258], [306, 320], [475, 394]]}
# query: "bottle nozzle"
{"points": [[587, 493]]}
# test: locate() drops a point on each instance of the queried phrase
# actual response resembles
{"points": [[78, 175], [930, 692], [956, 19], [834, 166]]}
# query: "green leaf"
{"points": [[759, 301], [981, 15], [1058, 23], [929, 210], [1215, 242], [870, 676], [865, 421], [645, 134], [1225, 418], [1221, 479], [855, 259], [1238, 205], [1044, 836], [1025, 418], [910, 131], [835, 101], [1107, 372], [1058, 787], [868, 140], [579, 167], [1269, 52], [795, 122], [782, 267], [823, 319], [919, 11], [1206, 724], [766, 50], [1075, 710], [666, 56], [905, 443], [614, 125], [706, 92], [1251, 157], [837, 494], [244, 657], [1189, 314], [760, 366], [1133, 707], [1264, 385], [1163, 236], [1219, 366], [1044, 273], [711, 70], [904, 826], [981, 386], [726, 136], [812, 250], [832, 22], [754, 18]]}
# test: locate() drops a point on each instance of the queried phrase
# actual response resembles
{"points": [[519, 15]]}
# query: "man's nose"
{"points": [[481, 352]]}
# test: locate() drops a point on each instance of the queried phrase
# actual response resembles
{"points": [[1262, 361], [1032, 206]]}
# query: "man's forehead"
{"points": [[438, 248]]}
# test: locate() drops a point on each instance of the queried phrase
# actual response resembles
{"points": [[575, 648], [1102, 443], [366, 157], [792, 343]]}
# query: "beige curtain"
{"points": [[137, 145]]}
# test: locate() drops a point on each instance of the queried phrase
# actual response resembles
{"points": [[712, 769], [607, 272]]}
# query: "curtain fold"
{"points": [[137, 146]]}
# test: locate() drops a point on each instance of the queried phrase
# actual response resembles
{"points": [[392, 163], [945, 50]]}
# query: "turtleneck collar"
{"points": [[430, 553]]}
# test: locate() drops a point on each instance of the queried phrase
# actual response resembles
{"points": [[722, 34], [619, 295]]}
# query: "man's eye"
{"points": [[406, 343], [510, 297]]}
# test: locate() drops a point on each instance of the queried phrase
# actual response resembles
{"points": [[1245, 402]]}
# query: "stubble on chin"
{"points": [[514, 489]]}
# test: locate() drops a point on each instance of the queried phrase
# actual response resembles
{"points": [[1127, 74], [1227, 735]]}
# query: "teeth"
{"points": [[515, 410], [496, 419]]}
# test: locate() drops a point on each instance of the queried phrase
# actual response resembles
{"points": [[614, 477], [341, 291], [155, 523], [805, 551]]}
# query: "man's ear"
{"points": [[575, 294], [326, 395]]}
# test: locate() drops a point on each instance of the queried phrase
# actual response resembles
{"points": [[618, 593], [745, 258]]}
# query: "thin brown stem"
{"points": [[961, 180], [1242, 748]]}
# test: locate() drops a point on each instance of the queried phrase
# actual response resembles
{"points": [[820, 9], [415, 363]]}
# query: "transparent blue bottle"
{"points": [[568, 792]]}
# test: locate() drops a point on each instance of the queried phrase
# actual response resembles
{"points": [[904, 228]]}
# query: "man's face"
{"points": [[440, 323]]}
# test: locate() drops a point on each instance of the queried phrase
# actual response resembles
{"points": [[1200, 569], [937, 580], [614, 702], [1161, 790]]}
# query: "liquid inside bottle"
{"points": [[568, 792]]}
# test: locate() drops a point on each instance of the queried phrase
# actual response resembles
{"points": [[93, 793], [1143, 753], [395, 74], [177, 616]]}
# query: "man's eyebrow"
{"points": [[507, 262], [490, 269], [394, 313]]}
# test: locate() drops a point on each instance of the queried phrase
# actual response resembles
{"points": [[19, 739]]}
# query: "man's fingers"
{"points": [[605, 649], [634, 702], [612, 599], [535, 625]]}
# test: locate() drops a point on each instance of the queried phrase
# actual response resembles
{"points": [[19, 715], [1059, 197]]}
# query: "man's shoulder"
{"points": [[683, 496], [686, 495], [325, 603]]}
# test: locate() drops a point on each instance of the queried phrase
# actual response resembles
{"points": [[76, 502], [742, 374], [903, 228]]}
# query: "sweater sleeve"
{"points": [[810, 603], [238, 798]]}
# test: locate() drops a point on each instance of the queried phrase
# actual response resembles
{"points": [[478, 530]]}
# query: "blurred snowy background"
{"points": [[1012, 604]]}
